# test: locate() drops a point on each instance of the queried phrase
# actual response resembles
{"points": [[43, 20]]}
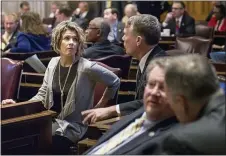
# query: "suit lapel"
{"points": [[182, 24], [117, 127], [154, 131], [142, 82], [119, 31]]}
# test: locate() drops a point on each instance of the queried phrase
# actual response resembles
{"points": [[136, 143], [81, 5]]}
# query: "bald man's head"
{"points": [[130, 10]]}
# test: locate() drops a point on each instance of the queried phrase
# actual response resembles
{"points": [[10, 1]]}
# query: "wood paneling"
{"points": [[198, 9]]}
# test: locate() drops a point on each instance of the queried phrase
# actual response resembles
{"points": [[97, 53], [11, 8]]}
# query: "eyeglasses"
{"points": [[176, 8], [92, 28]]}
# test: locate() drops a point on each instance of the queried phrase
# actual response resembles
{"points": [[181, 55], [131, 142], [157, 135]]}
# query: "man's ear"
{"points": [[139, 40], [99, 32], [182, 104]]}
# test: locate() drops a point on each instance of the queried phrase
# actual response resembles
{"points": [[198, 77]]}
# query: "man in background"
{"points": [[178, 21], [97, 33], [116, 33], [11, 26]]}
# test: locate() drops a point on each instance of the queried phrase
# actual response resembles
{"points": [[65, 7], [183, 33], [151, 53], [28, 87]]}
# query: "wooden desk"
{"points": [[105, 124], [26, 128]]}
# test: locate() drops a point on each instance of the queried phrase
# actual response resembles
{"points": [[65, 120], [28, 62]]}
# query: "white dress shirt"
{"points": [[146, 125], [164, 24], [141, 66]]}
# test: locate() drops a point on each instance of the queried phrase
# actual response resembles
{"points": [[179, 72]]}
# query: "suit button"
{"points": [[151, 134]]}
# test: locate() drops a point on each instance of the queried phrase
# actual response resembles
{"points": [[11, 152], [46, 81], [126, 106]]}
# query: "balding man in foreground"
{"points": [[148, 123], [193, 91]]}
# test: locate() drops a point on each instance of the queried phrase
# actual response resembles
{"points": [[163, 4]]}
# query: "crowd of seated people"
{"points": [[178, 106], [32, 36]]}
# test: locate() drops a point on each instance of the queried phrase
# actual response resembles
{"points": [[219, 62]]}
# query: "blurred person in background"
{"points": [[218, 20], [116, 33], [11, 25], [179, 21], [130, 10], [32, 37]]}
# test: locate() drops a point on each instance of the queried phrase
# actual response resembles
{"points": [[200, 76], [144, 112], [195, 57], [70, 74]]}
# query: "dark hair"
{"points": [[222, 9], [146, 25], [181, 3], [66, 10], [114, 11], [23, 3]]}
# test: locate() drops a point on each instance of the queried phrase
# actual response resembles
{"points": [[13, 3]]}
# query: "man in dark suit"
{"points": [[11, 29], [116, 33], [141, 37], [97, 33], [82, 15], [194, 94], [152, 120], [178, 21]]}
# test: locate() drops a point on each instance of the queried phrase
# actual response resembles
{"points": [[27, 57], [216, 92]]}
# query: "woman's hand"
{"points": [[8, 101]]}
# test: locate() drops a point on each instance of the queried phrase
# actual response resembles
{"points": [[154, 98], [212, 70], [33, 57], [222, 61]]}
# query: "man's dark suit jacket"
{"points": [[129, 107], [82, 22], [159, 128], [187, 26], [204, 136], [12, 40], [120, 33], [103, 49]]}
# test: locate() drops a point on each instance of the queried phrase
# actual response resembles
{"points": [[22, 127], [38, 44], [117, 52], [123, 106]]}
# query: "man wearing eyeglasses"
{"points": [[97, 33], [179, 21]]}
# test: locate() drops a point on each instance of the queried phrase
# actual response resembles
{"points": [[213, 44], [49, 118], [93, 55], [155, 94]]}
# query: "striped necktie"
{"points": [[177, 27], [138, 79], [130, 130]]}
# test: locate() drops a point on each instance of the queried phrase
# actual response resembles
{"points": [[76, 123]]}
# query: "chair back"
{"points": [[100, 87], [11, 76], [194, 44], [117, 61], [204, 31]]}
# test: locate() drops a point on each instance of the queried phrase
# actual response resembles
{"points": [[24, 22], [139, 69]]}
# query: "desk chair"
{"points": [[10, 80]]}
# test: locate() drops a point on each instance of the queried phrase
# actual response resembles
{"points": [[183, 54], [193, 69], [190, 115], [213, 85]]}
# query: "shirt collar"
{"points": [[114, 25], [83, 15], [143, 60], [180, 19]]}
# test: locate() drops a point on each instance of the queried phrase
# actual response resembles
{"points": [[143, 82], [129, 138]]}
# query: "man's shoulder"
{"points": [[158, 51], [188, 18]]}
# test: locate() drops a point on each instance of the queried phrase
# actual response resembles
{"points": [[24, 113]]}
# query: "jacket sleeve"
{"points": [[130, 107], [22, 45], [105, 76]]}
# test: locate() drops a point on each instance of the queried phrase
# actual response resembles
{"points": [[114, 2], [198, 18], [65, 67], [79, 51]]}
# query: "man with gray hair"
{"points": [[153, 120], [97, 33], [141, 37], [193, 92]]}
